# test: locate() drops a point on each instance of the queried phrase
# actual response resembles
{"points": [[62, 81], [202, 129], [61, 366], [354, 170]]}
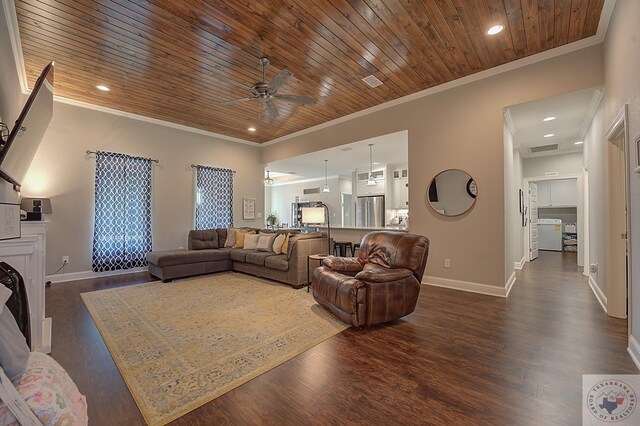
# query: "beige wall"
{"points": [[11, 97], [594, 163], [622, 86], [62, 171], [514, 232], [460, 128]]}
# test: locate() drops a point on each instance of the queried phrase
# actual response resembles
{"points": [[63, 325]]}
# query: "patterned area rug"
{"points": [[182, 344]]}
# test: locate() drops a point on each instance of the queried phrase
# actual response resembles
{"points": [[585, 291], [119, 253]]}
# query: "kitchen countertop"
{"points": [[362, 228]]}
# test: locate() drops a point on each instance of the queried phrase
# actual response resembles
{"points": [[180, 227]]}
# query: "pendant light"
{"points": [[326, 184], [268, 180], [371, 181]]}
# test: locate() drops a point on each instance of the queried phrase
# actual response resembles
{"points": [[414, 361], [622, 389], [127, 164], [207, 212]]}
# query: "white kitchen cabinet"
{"points": [[557, 193], [400, 196]]}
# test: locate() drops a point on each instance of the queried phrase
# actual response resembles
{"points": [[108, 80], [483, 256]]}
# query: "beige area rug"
{"points": [[182, 344]]}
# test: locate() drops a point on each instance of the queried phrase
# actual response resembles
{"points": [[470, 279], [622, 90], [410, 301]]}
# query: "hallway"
{"points": [[461, 358]]}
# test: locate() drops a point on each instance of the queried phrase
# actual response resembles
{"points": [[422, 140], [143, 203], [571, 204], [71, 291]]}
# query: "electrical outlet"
{"points": [[593, 268], [447, 263], [65, 259]]}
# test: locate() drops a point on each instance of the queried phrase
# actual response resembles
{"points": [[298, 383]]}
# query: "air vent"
{"points": [[372, 81], [308, 191], [543, 148]]}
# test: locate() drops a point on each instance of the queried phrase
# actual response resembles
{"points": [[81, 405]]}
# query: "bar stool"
{"points": [[340, 248]]}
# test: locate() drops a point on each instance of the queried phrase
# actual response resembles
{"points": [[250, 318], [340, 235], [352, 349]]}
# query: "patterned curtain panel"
{"points": [[214, 197], [122, 231]]}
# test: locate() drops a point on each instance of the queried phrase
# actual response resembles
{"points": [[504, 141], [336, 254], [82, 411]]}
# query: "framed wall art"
{"points": [[248, 208]]}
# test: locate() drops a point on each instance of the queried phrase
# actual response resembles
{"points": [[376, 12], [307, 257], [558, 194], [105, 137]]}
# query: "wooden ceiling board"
{"points": [[179, 60]]}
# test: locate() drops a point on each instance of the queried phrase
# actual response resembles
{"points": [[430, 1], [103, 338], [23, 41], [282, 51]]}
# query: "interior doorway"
{"points": [[618, 251]]}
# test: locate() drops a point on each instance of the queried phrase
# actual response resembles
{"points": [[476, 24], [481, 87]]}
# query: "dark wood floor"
{"points": [[461, 358]]}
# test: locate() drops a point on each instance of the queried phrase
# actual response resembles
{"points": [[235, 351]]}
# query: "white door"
{"points": [[533, 221]]}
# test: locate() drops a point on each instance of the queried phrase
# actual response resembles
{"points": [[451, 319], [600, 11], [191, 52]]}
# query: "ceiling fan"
{"points": [[266, 92]]}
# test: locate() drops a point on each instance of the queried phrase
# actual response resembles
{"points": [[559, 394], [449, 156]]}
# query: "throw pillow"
{"points": [[265, 242], [251, 241], [277, 243], [239, 240], [231, 237], [285, 244]]}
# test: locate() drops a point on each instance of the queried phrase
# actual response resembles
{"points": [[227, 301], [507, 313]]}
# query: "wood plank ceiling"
{"points": [[178, 60]]}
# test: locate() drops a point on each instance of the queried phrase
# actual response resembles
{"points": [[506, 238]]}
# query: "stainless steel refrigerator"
{"points": [[370, 211]]}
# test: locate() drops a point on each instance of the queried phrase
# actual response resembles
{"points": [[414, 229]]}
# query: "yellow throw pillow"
{"points": [[277, 244], [285, 245], [239, 240]]}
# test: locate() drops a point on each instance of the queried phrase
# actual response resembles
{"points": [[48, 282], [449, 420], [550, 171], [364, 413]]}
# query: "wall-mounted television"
{"points": [[18, 151]]}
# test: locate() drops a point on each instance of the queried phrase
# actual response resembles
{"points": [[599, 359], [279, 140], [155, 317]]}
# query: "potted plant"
{"points": [[271, 219]]}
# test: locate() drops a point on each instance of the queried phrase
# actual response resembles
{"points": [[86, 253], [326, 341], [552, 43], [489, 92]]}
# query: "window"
{"points": [[122, 230], [214, 197]]}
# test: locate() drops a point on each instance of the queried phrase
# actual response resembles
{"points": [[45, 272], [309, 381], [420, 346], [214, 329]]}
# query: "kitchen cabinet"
{"points": [[400, 196], [377, 189], [557, 193]]}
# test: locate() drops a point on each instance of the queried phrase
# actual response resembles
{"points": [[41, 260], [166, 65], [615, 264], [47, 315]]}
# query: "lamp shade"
{"points": [[313, 215], [28, 204]]}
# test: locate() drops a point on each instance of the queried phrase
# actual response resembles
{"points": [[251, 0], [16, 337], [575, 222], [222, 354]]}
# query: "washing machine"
{"points": [[550, 234]]}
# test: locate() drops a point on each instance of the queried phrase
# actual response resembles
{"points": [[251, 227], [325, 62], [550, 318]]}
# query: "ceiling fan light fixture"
{"points": [[326, 183], [268, 180]]}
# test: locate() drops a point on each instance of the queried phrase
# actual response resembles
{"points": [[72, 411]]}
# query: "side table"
{"points": [[320, 258]]}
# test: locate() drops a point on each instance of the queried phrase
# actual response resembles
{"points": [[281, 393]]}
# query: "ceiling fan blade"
{"points": [[237, 101], [279, 80], [300, 100], [271, 109]]}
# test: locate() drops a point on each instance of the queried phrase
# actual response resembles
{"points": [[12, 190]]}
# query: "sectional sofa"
{"points": [[207, 253]]}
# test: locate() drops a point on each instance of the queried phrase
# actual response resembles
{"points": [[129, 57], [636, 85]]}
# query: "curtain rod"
{"points": [[150, 159], [196, 165]]}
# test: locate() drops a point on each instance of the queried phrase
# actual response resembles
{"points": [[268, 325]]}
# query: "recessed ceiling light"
{"points": [[549, 118], [102, 87], [495, 29], [375, 164], [579, 143], [251, 129], [549, 135], [346, 149]]}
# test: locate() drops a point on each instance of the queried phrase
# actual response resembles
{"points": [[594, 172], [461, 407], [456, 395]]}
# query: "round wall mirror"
{"points": [[452, 192]]}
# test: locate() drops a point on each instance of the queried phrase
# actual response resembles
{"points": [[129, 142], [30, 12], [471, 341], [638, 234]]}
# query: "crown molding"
{"points": [[9, 7], [152, 120]]}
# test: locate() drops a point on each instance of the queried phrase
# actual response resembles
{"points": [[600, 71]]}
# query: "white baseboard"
{"points": [[74, 276], [634, 350], [472, 287], [509, 285], [598, 293], [520, 265]]}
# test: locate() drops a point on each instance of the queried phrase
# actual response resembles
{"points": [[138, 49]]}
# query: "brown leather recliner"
{"points": [[382, 284]]}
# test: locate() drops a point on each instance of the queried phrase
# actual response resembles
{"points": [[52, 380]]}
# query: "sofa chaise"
{"points": [[207, 253]]}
